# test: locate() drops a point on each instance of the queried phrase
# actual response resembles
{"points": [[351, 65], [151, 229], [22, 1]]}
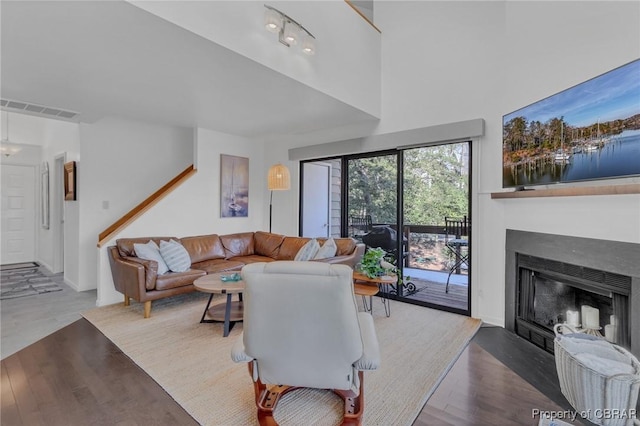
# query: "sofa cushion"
{"points": [[308, 251], [254, 258], [217, 265], [125, 245], [178, 279], [290, 247], [345, 260], [151, 251], [345, 246], [203, 247], [240, 244], [328, 249], [175, 255], [267, 244], [150, 271]]}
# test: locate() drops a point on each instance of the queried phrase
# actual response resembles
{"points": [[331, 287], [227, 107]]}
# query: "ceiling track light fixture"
{"points": [[290, 32]]}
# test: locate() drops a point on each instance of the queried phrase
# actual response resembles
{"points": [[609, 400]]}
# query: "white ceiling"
{"points": [[114, 59]]}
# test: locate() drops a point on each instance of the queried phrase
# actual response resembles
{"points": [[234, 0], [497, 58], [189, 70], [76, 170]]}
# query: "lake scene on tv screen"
{"points": [[590, 131]]}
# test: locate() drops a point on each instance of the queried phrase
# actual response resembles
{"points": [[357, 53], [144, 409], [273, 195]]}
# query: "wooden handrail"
{"points": [[354, 7], [149, 202]]}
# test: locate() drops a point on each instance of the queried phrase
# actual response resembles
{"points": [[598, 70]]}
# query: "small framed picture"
{"points": [[70, 181]]}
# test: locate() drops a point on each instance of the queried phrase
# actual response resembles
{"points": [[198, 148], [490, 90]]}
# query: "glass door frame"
{"points": [[399, 153]]}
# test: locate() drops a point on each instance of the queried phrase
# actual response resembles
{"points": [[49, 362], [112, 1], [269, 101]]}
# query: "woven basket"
{"points": [[603, 400]]}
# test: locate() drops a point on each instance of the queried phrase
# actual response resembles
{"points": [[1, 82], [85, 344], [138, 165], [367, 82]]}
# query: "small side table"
{"points": [[229, 312], [365, 286]]}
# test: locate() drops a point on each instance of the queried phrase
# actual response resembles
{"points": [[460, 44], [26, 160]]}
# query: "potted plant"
{"points": [[370, 265]]}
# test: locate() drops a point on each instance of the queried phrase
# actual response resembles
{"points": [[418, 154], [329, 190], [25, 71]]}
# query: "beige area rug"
{"points": [[192, 362]]}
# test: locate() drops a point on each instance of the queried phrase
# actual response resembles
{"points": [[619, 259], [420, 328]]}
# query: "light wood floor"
{"points": [[76, 376], [25, 320]]}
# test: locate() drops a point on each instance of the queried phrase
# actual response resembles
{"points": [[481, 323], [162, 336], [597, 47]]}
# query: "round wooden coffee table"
{"points": [[229, 312], [365, 286]]}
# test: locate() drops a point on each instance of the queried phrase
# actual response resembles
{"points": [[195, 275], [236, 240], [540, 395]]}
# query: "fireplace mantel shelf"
{"points": [[571, 191]]}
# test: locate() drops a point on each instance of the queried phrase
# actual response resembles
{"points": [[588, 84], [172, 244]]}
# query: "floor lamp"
{"points": [[278, 179]]}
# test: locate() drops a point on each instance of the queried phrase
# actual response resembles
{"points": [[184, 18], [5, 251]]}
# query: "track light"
{"points": [[308, 45], [289, 31], [272, 21]]}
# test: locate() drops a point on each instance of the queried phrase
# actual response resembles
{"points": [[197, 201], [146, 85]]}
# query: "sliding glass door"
{"points": [[437, 225], [372, 193], [413, 203]]}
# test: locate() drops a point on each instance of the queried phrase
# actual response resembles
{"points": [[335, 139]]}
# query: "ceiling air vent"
{"points": [[39, 110]]}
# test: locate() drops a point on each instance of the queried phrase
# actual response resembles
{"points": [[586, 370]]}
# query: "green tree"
{"points": [[435, 185]]}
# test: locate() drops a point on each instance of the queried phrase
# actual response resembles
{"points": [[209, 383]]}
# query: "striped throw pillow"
{"points": [[175, 255], [308, 251], [150, 251], [328, 249]]}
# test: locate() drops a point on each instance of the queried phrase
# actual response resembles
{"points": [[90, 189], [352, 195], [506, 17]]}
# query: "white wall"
{"points": [[42, 139], [446, 61], [122, 163], [194, 207], [60, 138], [346, 65]]}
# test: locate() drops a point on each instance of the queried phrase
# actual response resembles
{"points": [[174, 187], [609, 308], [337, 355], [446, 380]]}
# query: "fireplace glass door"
{"points": [[545, 300]]}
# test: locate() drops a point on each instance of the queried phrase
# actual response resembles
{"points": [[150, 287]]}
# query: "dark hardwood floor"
{"points": [[76, 376]]}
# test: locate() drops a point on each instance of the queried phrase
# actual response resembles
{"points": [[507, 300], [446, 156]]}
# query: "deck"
{"points": [[430, 286]]}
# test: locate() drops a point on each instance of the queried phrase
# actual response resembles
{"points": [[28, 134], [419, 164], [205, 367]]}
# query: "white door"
{"points": [[316, 200], [18, 214]]}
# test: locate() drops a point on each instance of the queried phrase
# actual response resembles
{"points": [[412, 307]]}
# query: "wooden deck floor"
{"points": [[431, 285], [433, 292]]}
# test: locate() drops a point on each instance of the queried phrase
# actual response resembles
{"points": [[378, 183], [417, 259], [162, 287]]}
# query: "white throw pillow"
{"points": [[175, 255], [328, 249], [150, 251], [308, 251]]}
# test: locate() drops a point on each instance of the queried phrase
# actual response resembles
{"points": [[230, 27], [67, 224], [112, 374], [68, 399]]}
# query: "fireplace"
{"points": [[588, 283]]}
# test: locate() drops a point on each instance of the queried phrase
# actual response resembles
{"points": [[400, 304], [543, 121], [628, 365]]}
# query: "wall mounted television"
{"points": [[589, 131]]}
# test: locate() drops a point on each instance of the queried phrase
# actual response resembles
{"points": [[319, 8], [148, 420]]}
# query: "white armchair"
{"points": [[302, 328]]}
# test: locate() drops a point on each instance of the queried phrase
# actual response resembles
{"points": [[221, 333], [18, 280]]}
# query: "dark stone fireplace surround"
{"points": [[610, 256]]}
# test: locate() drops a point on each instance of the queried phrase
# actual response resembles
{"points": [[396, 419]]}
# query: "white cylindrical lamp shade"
{"points": [[278, 178]]}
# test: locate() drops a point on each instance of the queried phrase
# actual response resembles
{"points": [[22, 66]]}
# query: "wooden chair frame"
{"points": [[267, 400]]}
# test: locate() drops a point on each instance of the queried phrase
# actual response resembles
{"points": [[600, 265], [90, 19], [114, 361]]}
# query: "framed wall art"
{"points": [[234, 186], [70, 181]]}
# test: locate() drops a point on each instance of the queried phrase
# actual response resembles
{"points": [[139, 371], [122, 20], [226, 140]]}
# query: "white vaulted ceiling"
{"points": [[114, 59]]}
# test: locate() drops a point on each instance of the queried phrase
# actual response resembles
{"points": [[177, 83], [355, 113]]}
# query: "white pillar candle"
{"points": [[610, 332], [613, 320], [573, 318], [590, 317]]}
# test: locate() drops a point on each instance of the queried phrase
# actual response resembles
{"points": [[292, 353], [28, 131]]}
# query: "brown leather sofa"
{"points": [[138, 278]]}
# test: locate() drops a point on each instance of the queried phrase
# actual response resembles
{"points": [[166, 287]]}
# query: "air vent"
{"points": [[39, 110]]}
